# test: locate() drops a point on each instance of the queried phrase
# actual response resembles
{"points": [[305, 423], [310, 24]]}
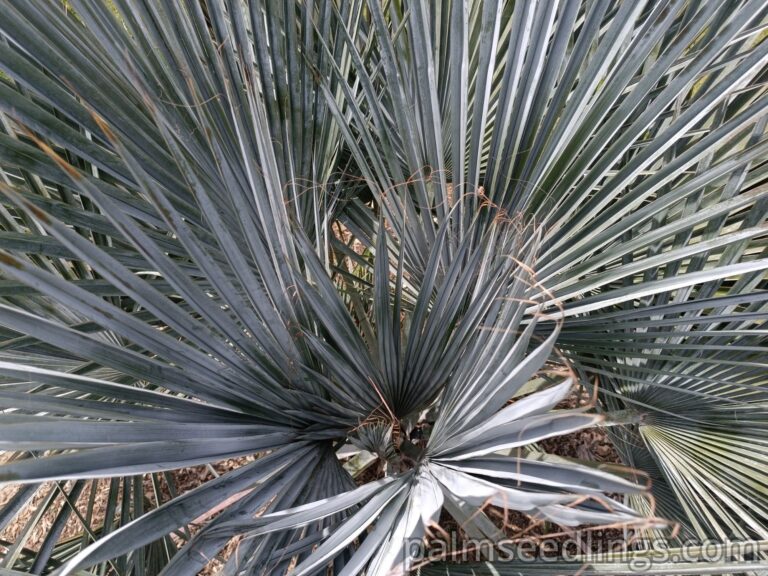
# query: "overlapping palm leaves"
{"points": [[639, 145], [174, 292]]}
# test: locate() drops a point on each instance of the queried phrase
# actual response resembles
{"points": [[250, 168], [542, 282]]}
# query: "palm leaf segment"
{"points": [[174, 293]]}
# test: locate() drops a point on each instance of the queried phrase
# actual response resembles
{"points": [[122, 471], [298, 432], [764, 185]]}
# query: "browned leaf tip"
{"points": [[64, 165], [36, 212], [103, 126], [6, 258], [18, 200]]}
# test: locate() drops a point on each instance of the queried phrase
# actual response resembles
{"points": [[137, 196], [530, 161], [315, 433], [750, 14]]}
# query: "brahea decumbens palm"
{"points": [[301, 229]]}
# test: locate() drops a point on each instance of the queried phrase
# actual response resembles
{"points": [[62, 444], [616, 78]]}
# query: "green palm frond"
{"points": [[232, 228]]}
